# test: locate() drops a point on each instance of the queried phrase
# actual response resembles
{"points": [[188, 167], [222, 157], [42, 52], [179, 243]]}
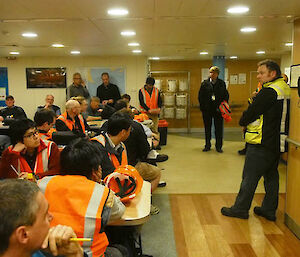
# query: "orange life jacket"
{"points": [[48, 135], [113, 158], [78, 202], [150, 101], [41, 161], [70, 123]]}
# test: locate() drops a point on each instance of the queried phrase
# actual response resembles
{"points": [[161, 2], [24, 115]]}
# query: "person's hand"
{"points": [[244, 129], [100, 110], [1, 118], [110, 101], [83, 83], [19, 147], [135, 111], [254, 94], [58, 242], [104, 102]]}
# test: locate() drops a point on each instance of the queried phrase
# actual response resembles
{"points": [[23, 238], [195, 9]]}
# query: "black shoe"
{"points": [[158, 147], [161, 158], [219, 150], [162, 184], [258, 211], [234, 213], [242, 152], [206, 149]]}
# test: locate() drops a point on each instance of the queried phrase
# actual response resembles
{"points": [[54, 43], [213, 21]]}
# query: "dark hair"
{"points": [[18, 129], [126, 96], [271, 66], [44, 115], [120, 104], [104, 73], [9, 97], [150, 81], [117, 122], [18, 207], [80, 157]]}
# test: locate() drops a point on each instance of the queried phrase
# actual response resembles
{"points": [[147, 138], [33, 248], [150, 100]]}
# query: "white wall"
{"points": [[29, 99]]}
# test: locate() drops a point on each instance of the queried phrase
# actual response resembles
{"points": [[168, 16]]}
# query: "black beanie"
{"points": [[150, 81]]}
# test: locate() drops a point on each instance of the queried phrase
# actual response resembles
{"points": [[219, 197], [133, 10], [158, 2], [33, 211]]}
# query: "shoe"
{"points": [[162, 184], [234, 213], [154, 210], [161, 158], [206, 149], [158, 147], [219, 150], [242, 152], [258, 211]]}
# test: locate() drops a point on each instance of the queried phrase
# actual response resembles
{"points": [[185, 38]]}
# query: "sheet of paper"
{"points": [[242, 78], [2, 93], [233, 79]]}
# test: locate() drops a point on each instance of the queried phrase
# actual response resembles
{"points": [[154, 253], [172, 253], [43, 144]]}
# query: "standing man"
{"points": [[49, 105], [211, 94], [108, 93], [262, 118], [11, 112], [78, 88], [150, 101]]}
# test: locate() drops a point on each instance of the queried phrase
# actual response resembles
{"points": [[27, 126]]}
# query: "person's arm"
{"points": [[201, 96], [142, 103], [69, 93], [142, 142], [159, 103], [263, 101], [61, 126], [117, 94], [117, 209], [53, 163], [9, 158], [21, 114], [86, 93], [226, 94]]}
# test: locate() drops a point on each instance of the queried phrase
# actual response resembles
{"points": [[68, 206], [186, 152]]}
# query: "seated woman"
{"points": [[76, 199], [28, 153]]}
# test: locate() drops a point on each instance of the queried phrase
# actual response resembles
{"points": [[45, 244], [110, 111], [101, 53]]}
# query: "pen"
{"points": [[75, 239], [15, 170]]}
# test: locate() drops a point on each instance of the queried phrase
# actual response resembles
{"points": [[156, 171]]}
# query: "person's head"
{"points": [[73, 107], [214, 72], [267, 70], [150, 82], [44, 119], [121, 104], [80, 157], [25, 220], [95, 102], [119, 124], [49, 100], [105, 78], [9, 101], [285, 78], [126, 98], [77, 79], [24, 131], [83, 103]]}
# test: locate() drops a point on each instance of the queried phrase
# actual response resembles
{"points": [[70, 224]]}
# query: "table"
{"points": [[96, 123]]}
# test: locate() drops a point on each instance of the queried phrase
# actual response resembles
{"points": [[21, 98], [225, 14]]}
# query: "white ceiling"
{"points": [[165, 28]]}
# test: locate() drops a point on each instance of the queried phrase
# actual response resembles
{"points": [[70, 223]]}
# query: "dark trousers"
{"points": [[259, 162], [218, 122]]}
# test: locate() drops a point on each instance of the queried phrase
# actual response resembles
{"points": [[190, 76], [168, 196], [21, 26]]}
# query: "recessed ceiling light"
{"points": [[117, 12], [203, 53], [233, 57], [75, 52], [133, 44], [289, 44], [238, 9], [128, 33], [14, 52], [137, 51], [154, 58], [248, 29], [29, 34], [58, 45], [260, 52]]}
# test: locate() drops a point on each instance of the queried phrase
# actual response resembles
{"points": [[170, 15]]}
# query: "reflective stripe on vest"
{"points": [[113, 158], [70, 123], [150, 101], [81, 208]]}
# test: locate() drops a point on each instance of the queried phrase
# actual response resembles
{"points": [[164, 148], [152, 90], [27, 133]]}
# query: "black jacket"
{"points": [[12, 113], [109, 92], [206, 93]]}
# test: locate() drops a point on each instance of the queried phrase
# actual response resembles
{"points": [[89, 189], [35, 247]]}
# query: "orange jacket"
{"points": [[48, 135], [78, 202], [71, 123], [150, 101]]}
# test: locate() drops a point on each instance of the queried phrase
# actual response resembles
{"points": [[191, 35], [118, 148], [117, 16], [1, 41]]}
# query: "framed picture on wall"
{"points": [[46, 77], [295, 75]]}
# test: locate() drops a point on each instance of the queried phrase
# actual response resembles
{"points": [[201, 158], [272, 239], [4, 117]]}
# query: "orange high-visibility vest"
{"points": [[70, 123], [48, 135], [78, 202], [150, 101], [113, 158], [41, 161]]}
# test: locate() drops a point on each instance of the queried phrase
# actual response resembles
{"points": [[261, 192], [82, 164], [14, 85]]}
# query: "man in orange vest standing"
{"points": [[150, 102], [71, 120], [111, 143]]}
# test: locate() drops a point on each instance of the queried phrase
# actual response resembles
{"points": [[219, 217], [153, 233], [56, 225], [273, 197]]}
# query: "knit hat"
{"points": [[150, 81]]}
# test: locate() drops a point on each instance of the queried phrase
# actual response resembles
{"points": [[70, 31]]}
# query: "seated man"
{"points": [[94, 110], [70, 120], [49, 105], [127, 99], [83, 203], [11, 112], [25, 224], [28, 153], [45, 120]]}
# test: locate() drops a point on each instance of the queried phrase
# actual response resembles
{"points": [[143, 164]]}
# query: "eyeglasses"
{"points": [[31, 134], [76, 78]]}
